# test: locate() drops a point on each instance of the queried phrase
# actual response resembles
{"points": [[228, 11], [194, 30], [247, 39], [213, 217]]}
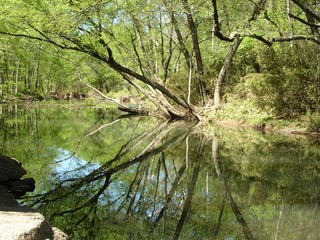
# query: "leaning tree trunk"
{"points": [[224, 70]]}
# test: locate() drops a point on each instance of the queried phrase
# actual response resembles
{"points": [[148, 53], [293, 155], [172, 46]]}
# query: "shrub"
{"points": [[314, 121]]}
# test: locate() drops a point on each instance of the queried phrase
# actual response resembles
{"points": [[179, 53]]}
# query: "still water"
{"points": [[100, 176]]}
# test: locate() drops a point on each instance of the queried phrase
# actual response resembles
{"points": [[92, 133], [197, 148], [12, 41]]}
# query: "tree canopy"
{"points": [[181, 55]]}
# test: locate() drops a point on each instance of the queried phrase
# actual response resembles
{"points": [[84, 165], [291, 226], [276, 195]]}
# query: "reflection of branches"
{"points": [[146, 154], [100, 128], [136, 142], [95, 175], [170, 195], [138, 180], [187, 203], [105, 172], [191, 187], [104, 126], [220, 217], [125, 149], [87, 135], [93, 201], [306, 231], [245, 228], [279, 220]]}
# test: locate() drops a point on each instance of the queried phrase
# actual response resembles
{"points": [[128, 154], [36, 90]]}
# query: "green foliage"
{"points": [[143, 37], [265, 90], [244, 110], [178, 82], [246, 60], [285, 85], [313, 121]]}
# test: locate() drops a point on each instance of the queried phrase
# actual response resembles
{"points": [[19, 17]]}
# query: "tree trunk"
{"points": [[196, 49], [179, 36], [224, 71], [194, 36], [1, 93], [37, 83], [16, 88]]}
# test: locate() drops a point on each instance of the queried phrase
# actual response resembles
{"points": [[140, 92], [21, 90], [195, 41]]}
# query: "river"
{"points": [[103, 176]]}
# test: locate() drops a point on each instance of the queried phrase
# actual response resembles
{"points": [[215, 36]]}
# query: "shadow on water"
{"points": [[100, 177]]}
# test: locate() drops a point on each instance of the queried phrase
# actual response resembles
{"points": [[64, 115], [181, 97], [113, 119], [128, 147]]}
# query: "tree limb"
{"points": [[304, 21], [261, 39], [296, 38], [303, 5], [41, 40], [217, 25]]}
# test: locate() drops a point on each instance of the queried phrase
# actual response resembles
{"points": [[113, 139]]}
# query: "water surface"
{"points": [[99, 176]]}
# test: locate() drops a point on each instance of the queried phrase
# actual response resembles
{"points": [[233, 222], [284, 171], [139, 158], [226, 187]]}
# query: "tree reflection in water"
{"points": [[141, 167], [170, 182], [245, 228]]}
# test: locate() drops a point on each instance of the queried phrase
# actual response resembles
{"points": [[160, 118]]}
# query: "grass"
{"points": [[246, 112]]}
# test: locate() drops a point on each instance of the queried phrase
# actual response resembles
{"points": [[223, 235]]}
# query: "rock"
{"points": [[27, 184], [7, 200], [24, 225], [20, 187], [17, 222], [58, 234], [10, 169], [21, 223]]}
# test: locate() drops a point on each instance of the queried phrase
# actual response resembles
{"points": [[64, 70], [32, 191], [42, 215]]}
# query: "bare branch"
{"points": [[296, 38], [41, 40], [304, 21], [103, 95], [261, 39], [217, 29]]}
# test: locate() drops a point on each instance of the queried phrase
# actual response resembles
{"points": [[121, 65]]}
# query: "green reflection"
{"points": [[103, 177]]}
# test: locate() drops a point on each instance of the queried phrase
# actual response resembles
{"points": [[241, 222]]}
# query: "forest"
{"points": [[249, 60], [69, 70]]}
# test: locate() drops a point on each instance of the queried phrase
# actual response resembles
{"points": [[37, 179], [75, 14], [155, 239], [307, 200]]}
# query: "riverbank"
{"points": [[294, 129], [246, 114], [230, 115]]}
